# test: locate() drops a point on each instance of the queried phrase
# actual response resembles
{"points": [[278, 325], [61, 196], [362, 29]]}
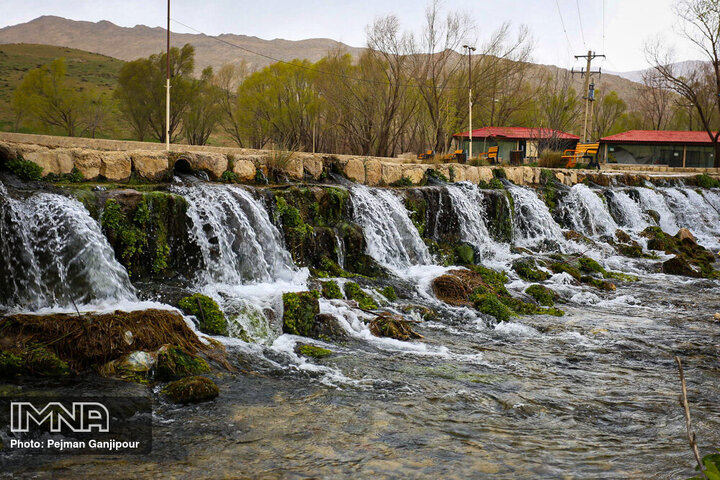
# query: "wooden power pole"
{"points": [[587, 73]]}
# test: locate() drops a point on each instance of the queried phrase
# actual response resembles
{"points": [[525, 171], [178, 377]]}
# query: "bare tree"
{"points": [[227, 80], [608, 110], [557, 109], [702, 81], [654, 100]]}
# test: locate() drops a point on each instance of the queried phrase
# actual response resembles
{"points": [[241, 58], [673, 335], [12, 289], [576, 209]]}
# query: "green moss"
{"points": [[499, 173], [161, 257], [354, 292], [543, 295], [313, 351], [436, 174], [417, 209], [590, 265], [403, 182], [560, 267], [10, 364], [174, 362], [490, 304], [465, 254], [299, 312], [41, 361], [494, 279], [389, 293], [192, 390], [331, 290], [24, 169], [211, 319], [526, 269], [229, 177], [706, 181]]}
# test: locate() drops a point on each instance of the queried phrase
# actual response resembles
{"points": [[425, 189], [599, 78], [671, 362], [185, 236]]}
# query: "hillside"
{"points": [[124, 43], [84, 69]]}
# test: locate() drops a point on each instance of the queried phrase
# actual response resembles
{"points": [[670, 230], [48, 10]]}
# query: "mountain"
{"points": [[680, 67], [124, 43]]}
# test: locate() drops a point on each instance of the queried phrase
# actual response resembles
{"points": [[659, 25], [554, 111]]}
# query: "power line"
{"points": [[582, 32], [562, 22], [313, 69]]}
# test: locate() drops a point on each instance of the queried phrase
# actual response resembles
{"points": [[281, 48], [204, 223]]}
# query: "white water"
{"points": [[695, 213], [469, 206], [533, 223], [53, 254], [631, 215], [587, 213], [246, 265], [391, 237], [238, 241], [652, 200]]}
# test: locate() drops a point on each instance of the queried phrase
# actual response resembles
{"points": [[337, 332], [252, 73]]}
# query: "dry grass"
{"points": [[551, 159], [99, 338]]}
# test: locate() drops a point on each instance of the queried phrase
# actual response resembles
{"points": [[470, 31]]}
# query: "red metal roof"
{"points": [[516, 133], [658, 136]]}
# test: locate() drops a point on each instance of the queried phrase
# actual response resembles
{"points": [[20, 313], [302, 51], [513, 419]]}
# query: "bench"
{"points": [[426, 156], [582, 150], [491, 155]]}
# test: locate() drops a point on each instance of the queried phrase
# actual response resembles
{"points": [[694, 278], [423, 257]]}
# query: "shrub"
{"points": [[499, 173], [706, 181], [229, 177], [24, 169], [551, 159], [403, 182]]}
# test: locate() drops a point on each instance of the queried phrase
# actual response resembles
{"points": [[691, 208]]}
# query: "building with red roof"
{"points": [[527, 141], [659, 147]]}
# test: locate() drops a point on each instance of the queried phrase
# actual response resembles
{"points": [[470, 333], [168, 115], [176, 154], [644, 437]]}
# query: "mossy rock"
{"points": [[210, 318], [490, 304], [11, 365], [528, 271], [173, 362], [41, 361], [331, 290], [680, 266], [192, 390], [354, 292], [598, 283], [312, 351], [591, 266], [389, 293], [465, 254], [392, 326], [300, 309], [543, 295], [562, 267]]}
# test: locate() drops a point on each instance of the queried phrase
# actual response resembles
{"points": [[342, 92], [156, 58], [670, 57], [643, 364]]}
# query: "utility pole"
{"points": [[167, 84], [470, 50], [587, 73]]}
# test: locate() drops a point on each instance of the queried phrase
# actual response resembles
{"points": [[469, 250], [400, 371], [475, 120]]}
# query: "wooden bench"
{"points": [[583, 150], [426, 156], [491, 155]]}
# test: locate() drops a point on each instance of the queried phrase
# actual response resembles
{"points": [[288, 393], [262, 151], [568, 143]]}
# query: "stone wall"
{"points": [[118, 160]]}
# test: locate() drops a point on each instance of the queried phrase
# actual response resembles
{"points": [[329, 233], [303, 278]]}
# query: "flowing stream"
{"points": [[589, 395]]}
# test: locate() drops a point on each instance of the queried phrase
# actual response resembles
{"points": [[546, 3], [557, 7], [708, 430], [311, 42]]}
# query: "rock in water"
{"points": [[684, 233], [679, 266], [192, 390], [717, 317]]}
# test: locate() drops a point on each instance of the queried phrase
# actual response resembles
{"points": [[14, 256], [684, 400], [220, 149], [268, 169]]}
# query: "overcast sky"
{"points": [[628, 24]]}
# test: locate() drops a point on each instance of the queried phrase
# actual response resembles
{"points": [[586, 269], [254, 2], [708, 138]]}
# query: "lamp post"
{"points": [[167, 84], [469, 51]]}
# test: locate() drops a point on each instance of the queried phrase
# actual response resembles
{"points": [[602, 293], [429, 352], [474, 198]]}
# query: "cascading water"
{"points": [[586, 213], [628, 213], [246, 266], [469, 207], [652, 200], [695, 213], [238, 241], [533, 224], [53, 254], [391, 237]]}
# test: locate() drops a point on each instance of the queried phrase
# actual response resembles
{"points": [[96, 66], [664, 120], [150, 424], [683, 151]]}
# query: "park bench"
{"points": [[491, 155], [582, 150]]}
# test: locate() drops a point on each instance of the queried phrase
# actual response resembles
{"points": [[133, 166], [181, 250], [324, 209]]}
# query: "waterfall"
{"points": [[469, 206], [628, 213], [533, 225], [391, 237], [694, 212], [652, 200], [237, 239], [586, 213], [53, 253]]}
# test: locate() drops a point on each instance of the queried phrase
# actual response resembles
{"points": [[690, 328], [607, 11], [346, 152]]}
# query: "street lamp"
{"points": [[469, 51]]}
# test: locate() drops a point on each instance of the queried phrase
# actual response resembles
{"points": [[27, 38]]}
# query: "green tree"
{"points": [[606, 115], [204, 110], [141, 92], [46, 98]]}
